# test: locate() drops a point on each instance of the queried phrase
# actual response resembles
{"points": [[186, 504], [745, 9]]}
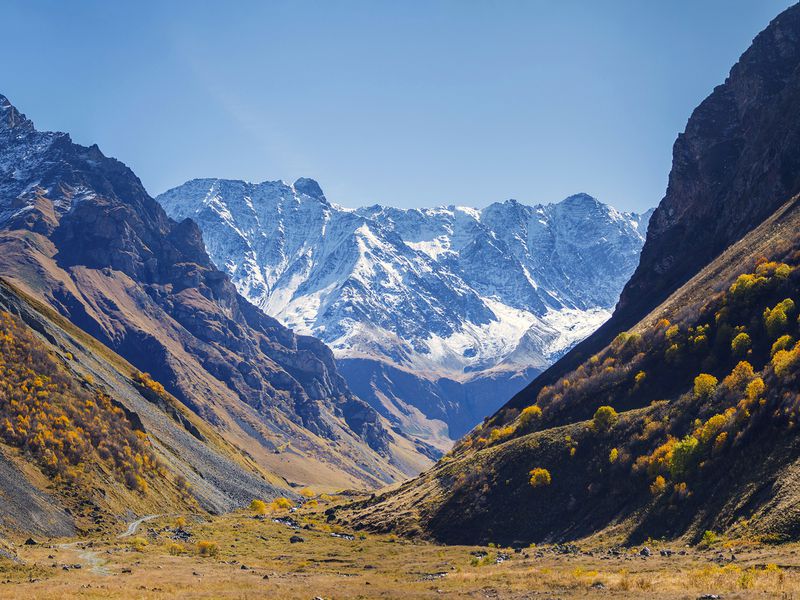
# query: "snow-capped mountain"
{"points": [[449, 293]]}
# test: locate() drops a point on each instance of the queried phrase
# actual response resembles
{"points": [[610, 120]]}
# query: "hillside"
{"points": [[79, 232], [435, 316], [87, 440], [683, 420]]}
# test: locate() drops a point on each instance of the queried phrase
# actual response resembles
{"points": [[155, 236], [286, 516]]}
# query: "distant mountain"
{"points": [[679, 416], [79, 232], [436, 315]]}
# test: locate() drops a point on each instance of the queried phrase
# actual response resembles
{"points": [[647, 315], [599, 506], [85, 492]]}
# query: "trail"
{"points": [[88, 557], [134, 525]]}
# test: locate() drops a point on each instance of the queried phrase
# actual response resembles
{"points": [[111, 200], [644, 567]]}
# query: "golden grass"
{"points": [[253, 558]]}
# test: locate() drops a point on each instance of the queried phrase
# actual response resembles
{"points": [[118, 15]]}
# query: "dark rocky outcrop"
{"points": [[737, 161]]}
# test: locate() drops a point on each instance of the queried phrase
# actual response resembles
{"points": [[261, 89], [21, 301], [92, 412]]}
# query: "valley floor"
{"points": [[251, 557]]}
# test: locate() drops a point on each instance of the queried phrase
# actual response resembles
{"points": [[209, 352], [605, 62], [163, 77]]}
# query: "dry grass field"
{"points": [[248, 556]]}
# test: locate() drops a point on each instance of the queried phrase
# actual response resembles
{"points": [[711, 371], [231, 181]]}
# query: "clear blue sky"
{"points": [[402, 103]]}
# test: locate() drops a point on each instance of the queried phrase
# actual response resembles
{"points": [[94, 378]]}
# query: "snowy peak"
{"points": [[449, 290]]}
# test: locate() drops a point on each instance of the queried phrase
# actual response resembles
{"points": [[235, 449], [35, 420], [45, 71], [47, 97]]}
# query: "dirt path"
{"points": [[134, 525], [87, 557]]}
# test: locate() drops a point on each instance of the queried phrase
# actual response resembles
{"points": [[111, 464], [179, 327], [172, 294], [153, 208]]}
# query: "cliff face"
{"points": [[737, 161], [79, 230]]}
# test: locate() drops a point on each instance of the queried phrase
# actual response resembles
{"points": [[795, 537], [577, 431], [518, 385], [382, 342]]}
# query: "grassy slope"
{"points": [[220, 476]]}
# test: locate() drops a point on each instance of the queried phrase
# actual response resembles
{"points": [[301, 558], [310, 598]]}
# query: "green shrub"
{"points": [[740, 344], [683, 456], [704, 385], [604, 418]]}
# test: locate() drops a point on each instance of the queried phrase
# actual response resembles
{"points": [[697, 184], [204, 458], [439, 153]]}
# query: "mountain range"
{"points": [[435, 316]]}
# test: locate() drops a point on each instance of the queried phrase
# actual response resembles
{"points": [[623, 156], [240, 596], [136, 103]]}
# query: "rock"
{"points": [[645, 551], [31, 542], [295, 539]]}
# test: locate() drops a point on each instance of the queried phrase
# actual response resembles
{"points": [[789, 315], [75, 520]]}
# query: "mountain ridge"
{"points": [[79, 231], [450, 293]]}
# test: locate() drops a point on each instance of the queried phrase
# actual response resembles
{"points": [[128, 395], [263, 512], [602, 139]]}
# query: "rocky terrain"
{"points": [[732, 167], [435, 316]]}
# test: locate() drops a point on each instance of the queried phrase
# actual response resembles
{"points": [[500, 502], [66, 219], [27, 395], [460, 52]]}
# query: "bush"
{"points": [[281, 503], [658, 486], [683, 456], [175, 549], [604, 418], [307, 493], [755, 388], [138, 544], [785, 361], [613, 455], [777, 318], [540, 477], [711, 428], [207, 548], [741, 374], [782, 343], [259, 507], [500, 433], [709, 539], [529, 414], [704, 385], [740, 344]]}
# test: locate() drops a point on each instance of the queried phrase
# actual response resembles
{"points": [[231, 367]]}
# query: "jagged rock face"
{"points": [[737, 161], [104, 229], [451, 292]]}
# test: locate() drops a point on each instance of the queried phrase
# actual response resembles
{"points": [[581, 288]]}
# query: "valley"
{"points": [[245, 390], [242, 555]]}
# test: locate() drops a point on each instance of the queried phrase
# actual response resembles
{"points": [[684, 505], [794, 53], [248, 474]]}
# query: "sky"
{"points": [[409, 104]]}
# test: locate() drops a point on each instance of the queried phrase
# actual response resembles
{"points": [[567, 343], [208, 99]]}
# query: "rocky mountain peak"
{"points": [[309, 187], [12, 119], [451, 291], [737, 161]]}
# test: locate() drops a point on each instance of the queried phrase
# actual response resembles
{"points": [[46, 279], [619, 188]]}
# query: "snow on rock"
{"points": [[449, 291]]}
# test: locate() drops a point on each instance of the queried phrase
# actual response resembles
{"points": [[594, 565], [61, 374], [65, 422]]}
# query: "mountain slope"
{"points": [[78, 230], [53, 484], [440, 302], [684, 421], [735, 163]]}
